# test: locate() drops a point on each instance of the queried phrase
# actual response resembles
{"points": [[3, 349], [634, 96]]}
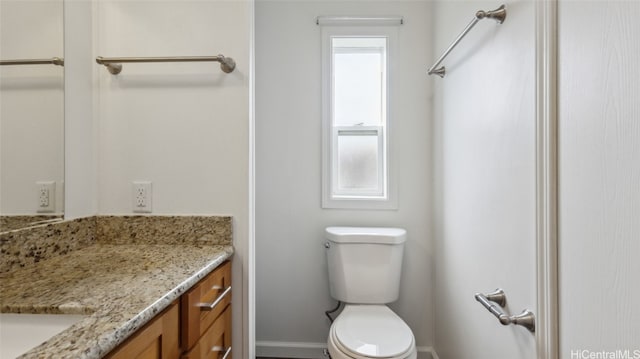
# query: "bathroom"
{"points": [[467, 161]]}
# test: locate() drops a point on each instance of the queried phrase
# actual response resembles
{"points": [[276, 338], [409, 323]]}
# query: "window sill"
{"points": [[360, 203]]}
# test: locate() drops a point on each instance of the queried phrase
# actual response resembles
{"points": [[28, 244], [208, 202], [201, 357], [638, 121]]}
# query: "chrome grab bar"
{"points": [[210, 306], [489, 301], [52, 61], [498, 15], [114, 64], [218, 349]]}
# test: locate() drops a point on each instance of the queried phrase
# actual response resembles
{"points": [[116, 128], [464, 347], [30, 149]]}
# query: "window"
{"points": [[356, 118]]}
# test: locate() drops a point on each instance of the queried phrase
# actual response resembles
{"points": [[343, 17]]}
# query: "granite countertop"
{"points": [[119, 286]]}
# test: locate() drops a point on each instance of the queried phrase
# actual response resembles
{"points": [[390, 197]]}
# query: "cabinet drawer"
{"points": [[215, 343], [204, 303]]}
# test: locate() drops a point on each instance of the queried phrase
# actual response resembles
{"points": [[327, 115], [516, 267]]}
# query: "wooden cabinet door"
{"points": [[159, 339]]}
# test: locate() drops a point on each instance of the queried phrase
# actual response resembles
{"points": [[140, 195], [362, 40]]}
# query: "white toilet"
{"points": [[364, 273]]}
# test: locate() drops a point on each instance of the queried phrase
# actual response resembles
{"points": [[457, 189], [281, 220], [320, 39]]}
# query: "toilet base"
{"points": [[336, 353]]}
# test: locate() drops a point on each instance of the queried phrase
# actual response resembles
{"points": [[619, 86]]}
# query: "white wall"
{"points": [[31, 104], [183, 126], [485, 179], [80, 119], [291, 273], [599, 148]]}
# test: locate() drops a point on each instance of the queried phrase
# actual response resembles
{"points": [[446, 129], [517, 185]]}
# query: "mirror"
{"points": [[31, 113]]}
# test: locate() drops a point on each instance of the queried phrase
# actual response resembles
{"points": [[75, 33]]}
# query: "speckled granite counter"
{"points": [[12, 222], [121, 287], [119, 284]]}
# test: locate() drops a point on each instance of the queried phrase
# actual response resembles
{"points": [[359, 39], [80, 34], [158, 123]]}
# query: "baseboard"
{"points": [[270, 349], [302, 350], [427, 353]]}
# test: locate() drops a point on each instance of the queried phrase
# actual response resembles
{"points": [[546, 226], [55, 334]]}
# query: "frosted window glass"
{"points": [[358, 163]]}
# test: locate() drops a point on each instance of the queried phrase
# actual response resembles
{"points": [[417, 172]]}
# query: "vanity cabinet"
{"points": [[196, 326]]}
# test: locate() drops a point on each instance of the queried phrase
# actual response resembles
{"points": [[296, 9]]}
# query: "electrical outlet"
{"points": [[46, 196], [141, 196]]}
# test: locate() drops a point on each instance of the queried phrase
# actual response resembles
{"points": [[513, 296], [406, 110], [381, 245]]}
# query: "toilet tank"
{"points": [[365, 263]]}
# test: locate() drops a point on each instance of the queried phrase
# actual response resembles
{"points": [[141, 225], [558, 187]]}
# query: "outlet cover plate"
{"points": [[141, 196], [45, 196]]}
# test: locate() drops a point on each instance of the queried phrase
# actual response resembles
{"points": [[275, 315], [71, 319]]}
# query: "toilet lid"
{"points": [[373, 331]]}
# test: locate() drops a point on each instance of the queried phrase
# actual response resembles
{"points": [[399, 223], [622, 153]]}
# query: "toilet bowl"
{"points": [[364, 273], [370, 331]]}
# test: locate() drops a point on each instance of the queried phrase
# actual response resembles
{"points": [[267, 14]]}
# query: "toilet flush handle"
{"points": [[327, 245]]}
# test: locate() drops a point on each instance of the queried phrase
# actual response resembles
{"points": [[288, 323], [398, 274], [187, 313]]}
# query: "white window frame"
{"points": [[331, 198]]}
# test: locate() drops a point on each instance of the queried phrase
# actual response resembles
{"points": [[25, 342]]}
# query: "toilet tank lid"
{"points": [[379, 235]]}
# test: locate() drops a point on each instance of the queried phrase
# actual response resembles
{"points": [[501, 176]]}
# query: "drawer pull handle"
{"points": [[210, 306], [222, 349]]}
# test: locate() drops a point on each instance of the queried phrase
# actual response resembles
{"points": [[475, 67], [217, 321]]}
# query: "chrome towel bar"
{"points": [[52, 61], [113, 64], [497, 299], [498, 14]]}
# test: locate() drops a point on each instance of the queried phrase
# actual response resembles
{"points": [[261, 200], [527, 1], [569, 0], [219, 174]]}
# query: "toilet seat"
{"points": [[371, 331]]}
